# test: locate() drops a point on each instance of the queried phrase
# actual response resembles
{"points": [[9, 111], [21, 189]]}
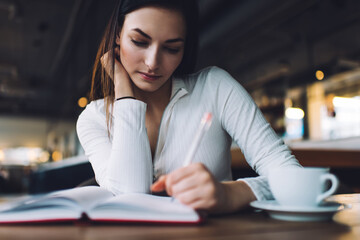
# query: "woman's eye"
{"points": [[139, 43]]}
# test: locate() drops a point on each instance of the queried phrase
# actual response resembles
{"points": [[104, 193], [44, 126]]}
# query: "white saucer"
{"points": [[304, 214]]}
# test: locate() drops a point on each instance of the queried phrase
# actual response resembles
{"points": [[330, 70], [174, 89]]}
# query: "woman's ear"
{"points": [[117, 40]]}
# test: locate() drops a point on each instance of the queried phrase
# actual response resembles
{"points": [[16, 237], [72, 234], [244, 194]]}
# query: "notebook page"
{"points": [[86, 197], [143, 207]]}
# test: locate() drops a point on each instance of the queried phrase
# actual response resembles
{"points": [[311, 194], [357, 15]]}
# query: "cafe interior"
{"points": [[298, 59]]}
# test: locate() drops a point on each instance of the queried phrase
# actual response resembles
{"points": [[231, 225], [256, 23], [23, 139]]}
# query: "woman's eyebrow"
{"points": [[138, 30], [141, 32]]}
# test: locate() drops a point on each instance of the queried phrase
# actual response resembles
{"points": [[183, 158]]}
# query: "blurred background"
{"points": [[299, 59]]}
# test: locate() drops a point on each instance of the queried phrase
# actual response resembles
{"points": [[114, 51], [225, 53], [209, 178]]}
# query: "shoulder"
{"points": [[212, 79], [93, 113], [212, 75], [95, 107]]}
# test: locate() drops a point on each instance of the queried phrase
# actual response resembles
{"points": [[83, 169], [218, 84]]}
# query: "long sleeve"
{"points": [[244, 122], [124, 163]]}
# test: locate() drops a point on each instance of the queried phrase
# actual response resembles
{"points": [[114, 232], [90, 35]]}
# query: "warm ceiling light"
{"points": [[319, 75], [56, 156], [82, 102]]}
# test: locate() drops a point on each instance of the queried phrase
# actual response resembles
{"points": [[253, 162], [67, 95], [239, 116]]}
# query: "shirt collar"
{"points": [[178, 84]]}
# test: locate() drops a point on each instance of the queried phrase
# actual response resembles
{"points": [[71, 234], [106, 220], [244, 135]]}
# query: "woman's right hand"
{"points": [[122, 82]]}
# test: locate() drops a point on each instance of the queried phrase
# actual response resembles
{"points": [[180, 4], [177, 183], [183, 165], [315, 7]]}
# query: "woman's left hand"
{"points": [[194, 186]]}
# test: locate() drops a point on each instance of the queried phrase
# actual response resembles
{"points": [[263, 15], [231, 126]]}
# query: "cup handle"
{"points": [[334, 185]]}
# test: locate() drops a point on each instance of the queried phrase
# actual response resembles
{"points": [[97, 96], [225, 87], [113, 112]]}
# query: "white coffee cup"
{"points": [[301, 187]]}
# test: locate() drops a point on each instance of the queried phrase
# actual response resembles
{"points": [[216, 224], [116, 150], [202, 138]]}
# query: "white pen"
{"points": [[204, 126]]}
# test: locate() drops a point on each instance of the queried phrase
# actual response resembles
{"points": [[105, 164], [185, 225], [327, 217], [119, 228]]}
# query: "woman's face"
{"points": [[152, 43]]}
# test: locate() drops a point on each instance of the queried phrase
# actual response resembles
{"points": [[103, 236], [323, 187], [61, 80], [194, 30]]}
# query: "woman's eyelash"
{"points": [[140, 44], [172, 50]]}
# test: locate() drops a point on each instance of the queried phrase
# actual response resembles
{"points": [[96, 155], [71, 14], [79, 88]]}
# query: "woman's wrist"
{"points": [[238, 195], [123, 85], [123, 91]]}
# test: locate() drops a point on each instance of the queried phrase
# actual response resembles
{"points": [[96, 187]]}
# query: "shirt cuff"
{"points": [[259, 186]]}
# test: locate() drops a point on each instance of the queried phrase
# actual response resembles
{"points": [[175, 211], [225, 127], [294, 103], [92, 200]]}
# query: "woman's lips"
{"points": [[150, 77]]}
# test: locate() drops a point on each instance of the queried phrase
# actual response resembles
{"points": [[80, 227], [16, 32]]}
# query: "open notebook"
{"points": [[95, 204]]}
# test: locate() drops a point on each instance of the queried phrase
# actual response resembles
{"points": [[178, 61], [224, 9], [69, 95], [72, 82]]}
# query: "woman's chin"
{"points": [[148, 88]]}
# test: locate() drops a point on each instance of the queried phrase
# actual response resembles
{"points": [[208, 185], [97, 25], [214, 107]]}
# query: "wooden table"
{"points": [[244, 225]]}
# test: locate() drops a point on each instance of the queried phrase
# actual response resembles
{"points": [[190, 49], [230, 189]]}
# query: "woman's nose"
{"points": [[152, 58]]}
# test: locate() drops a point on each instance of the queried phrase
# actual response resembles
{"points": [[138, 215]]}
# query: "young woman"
{"points": [[147, 105]]}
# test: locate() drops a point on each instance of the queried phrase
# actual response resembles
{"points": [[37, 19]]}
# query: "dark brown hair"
{"points": [[102, 85]]}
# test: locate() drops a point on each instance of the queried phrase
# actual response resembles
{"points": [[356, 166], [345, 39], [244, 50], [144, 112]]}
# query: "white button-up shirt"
{"points": [[123, 163]]}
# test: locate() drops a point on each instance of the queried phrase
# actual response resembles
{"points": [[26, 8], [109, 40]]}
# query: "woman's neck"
{"points": [[155, 100]]}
